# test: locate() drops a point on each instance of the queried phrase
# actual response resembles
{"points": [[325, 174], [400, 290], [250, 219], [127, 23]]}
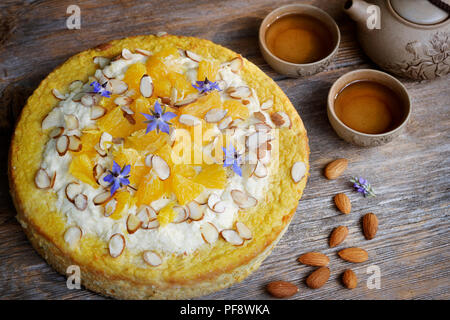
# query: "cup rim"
{"points": [[262, 34], [330, 103]]}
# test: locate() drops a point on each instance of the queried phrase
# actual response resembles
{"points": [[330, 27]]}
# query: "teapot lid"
{"points": [[419, 11]]}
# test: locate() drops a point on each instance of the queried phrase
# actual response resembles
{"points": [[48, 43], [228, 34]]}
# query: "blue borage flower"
{"points": [[101, 89], [232, 158], [118, 177], [361, 185], [206, 86], [159, 119]]}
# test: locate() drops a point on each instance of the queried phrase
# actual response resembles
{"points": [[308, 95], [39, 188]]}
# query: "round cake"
{"points": [[165, 167]]}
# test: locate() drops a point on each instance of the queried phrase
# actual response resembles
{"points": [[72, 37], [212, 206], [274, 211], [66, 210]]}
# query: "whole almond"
{"points": [[335, 168], [338, 235], [349, 279], [370, 225], [355, 255], [318, 278], [315, 259], [281, 289], [343, 203]]}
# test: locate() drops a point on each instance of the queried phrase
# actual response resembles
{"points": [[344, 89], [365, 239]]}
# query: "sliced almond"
{"points": [[101, 61], [102, 198], [143, 52], [146, 214], [259, 116], [236, 64], [72, 190], [154, 224], [260, 170], [105, 141], [188, 100], [87, 100], [173, 95], [110, 207], [123, 101], [97, 112], [242, 199], [73, 235], [241, 93], [57, 132], [51, 120], [100, 151], [193, 56], [203, 198], [75, 85], [281, 119], [42, 179], [215, 115], [77, 97], [189, 120], [133, 223], [126, 54], [220, 207], [225, 123], [166, 100], [146, 86], [75, 143], [148, 160], [143, 216], [209, 232], [243, 231], [298, 171], [161, 167], [182, 214], [196, 211], [98, 171], [232, 237], [267, 104], [52, 180], [58, 95], [118, 86], [260, 126], [221, 84], [101, 180], [212, 200], [80, 201], [62, 145], [116, 245], [152, 258]]}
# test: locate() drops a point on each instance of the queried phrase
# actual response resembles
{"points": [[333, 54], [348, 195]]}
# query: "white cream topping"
{"points": [[179, 238]]}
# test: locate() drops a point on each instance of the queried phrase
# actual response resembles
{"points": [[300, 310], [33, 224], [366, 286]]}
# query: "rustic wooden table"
{"points": [[410, 175]]}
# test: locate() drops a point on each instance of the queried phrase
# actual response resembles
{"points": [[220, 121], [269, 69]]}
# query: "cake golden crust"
{"points": [[180, 276]]}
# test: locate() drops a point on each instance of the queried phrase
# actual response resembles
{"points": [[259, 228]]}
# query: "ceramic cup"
{"points": [[293, 69], [356, 137]]}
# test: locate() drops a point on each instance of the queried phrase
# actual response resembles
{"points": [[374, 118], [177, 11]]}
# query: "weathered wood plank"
{"points": [[410, 174]]}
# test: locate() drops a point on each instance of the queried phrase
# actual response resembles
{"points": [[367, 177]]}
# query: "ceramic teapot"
{"points": [[410, 38]]}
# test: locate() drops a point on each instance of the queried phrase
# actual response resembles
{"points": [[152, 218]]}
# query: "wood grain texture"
{"points": [[410, 175]]}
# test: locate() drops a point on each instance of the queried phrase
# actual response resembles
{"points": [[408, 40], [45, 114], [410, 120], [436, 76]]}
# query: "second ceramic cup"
{"points": [[293, 69]]}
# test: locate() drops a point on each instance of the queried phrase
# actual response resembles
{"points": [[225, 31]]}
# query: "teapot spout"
{"points": [[357, 10]]}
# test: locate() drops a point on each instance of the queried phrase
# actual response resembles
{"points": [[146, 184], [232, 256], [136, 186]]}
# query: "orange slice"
{"points": [[236, 109], [212, 176], [82, 168], [166, 215], [207, 69], [185, 189], [115, 124], [133, 77], [149, 190]]}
